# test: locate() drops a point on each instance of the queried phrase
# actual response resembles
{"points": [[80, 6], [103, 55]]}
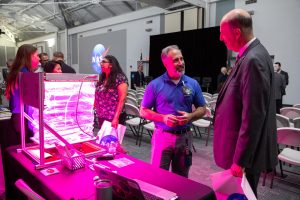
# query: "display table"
{"points": [[79, 184]]}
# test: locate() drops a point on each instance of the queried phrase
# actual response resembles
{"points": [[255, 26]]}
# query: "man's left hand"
{"points": [[236, 170], [184, 118]]}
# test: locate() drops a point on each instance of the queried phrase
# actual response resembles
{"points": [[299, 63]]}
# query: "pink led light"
{"points": [[60, 105]]}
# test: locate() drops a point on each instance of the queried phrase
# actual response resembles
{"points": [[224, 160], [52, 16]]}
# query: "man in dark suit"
{"points": [[279, 85], [139, 78], [245, 120], [59, 57], [277, 66]]}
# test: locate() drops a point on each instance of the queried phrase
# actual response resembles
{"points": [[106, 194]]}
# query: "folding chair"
{"points": [[291, 137], [135, 123], [296, 122], [132, 100], [149, 127], [282, 121], [290, 112], [207, 94], [296, 105], [207, 98], [212, 105], [204, 123]]}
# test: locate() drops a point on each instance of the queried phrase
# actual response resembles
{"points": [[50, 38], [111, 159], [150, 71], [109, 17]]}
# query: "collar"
{"points": [[24, 69], [243, 49], [167, 78]]}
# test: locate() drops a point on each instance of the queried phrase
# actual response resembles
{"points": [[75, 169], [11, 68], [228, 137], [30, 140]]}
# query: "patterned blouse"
{"points": [[106, 100]]}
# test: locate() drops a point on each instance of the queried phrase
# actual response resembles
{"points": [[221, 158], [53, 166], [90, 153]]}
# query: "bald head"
{"points": [[236, 29], [223, 70], [239, 18]]}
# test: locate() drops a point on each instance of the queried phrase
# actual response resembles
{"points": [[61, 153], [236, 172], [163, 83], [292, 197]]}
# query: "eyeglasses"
{"points": [[104, 61]]}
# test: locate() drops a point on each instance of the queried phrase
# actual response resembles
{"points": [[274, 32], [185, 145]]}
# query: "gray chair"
{"points": [[136, 122], [149, 127], [290, 112], [207, 94], [205, 123], [212, 105], [296, 105], [296, 122], [207, 98], [282, 121], [132, 100], [289, 137]]}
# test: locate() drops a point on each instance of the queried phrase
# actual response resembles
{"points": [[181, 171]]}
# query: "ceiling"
{"points": [[26, 19]]}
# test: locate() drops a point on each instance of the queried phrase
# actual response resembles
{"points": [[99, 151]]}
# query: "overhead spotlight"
{"points": [[148, 29], [109, 30]]}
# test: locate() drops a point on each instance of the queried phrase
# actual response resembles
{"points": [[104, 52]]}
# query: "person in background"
{"points": [[6, 71], [26, 61], [279, 82], [111, 91], [59, 57], [52, 67], [245, 117], [221, 78], [168, 102], [44, 58], [229, 69], [284, 73], [278, 69], [139, 78]]}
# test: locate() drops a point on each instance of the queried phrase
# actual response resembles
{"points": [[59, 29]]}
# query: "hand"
{"points": [[115, 123], [184, 118], [170, 120], [236, 170]]}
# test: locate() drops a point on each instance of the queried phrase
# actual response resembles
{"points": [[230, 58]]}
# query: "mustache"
{"points": [[181, 66]]}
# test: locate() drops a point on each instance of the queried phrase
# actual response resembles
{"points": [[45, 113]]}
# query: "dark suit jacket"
{"points": [[66, 68], [138, 79], [286, 78], [245, 120]]}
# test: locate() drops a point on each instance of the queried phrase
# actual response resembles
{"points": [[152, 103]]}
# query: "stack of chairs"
{"points": [[288, 139]]}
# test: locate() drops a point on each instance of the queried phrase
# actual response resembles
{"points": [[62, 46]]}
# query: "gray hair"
{"points": [[165, 51]]}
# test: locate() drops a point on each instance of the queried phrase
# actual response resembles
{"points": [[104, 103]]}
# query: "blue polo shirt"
{"points": [[165, 97], [14, 100]]}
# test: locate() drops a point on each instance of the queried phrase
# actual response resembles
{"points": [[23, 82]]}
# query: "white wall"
{"points": [[4, 41], [276, 24], [138, 39], [41, 42]]}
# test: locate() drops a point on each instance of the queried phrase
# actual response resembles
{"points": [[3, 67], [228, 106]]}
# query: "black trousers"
{"points": [[253, 179], [278, 105]]}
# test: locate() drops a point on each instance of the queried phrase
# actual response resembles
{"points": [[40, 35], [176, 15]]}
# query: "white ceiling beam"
{"points": [[198, 3]]}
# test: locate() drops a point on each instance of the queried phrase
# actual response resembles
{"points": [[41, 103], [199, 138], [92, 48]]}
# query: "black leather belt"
{"points": [[179, 132]]}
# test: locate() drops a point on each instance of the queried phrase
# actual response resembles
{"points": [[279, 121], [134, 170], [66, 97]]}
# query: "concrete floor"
{"points": [[204, 165]]}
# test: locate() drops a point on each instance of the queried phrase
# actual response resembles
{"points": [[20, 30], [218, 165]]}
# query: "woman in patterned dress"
{"points": [[111, 91]]}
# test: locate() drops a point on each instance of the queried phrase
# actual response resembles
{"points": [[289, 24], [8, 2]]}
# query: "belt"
{"points": [[178, 132]]}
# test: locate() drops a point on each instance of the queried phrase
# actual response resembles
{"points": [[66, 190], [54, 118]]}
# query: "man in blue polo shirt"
{"points": [[168, 102]]}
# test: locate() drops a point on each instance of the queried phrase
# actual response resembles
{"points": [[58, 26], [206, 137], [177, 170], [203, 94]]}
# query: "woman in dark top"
{"points": [[26, 60], [52, 67], [111, 91]]}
